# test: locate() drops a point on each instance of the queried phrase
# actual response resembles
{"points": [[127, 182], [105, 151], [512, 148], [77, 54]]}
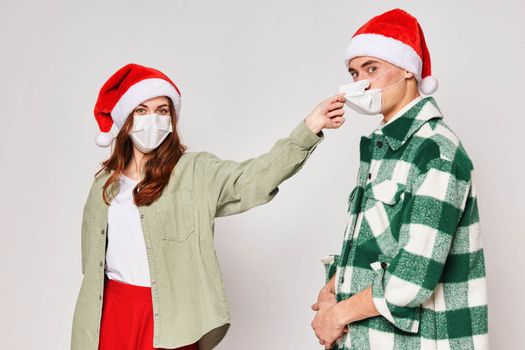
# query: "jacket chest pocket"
{"points": [[388, 192], [175, 216], [382, 209]]}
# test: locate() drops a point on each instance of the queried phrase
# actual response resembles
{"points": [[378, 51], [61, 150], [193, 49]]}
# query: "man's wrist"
{"points": [[358, 307], [339, 314], [344, 312]]}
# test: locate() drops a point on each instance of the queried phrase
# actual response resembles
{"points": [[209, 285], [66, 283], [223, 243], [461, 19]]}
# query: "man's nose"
{"points": [[363, 78]]}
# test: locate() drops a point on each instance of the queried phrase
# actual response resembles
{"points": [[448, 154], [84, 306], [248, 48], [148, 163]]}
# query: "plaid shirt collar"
{"points": [[403, 126]]}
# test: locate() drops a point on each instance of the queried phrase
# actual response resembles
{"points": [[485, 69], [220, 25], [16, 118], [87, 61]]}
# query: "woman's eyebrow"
{"points": [[164, 105]]}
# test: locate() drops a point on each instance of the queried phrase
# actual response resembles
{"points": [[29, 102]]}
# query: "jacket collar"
{"points": [[404, 126]]}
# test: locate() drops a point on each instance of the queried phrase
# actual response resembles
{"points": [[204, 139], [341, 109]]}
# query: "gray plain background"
{"points": [[249, 71]]}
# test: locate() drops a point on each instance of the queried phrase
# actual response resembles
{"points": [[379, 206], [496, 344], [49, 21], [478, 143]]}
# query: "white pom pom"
{"points": [[428, 86], [104, 139]]}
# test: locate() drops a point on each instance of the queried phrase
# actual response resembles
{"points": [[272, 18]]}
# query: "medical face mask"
{"points": [[149, 131], [363, 101]]}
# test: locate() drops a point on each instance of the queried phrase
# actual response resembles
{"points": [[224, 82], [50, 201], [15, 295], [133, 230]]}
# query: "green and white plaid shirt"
{"points": [[414, 236]]}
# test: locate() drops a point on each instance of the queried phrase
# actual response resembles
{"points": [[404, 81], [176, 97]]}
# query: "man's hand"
{"points": [[326, 298], [328, 114], [323, 324], [332, 322], [327, 326]]}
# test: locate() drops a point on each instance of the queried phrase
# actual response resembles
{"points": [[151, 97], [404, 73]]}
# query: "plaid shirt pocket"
{"points": [[382, 207]]}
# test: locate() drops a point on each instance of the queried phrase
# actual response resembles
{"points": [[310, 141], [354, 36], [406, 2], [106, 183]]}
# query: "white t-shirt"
{"points": [[402, 111], [126, 258]]}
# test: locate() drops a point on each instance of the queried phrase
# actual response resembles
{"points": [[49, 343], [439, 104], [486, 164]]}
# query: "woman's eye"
{"points": [[354, 75], [140, 111], [163, 112], [372, 69]]}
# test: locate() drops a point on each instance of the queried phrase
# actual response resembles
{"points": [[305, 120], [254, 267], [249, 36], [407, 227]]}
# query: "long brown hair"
{"points": [[157, 168]]}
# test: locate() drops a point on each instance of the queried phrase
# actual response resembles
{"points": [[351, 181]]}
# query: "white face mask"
{"points": [[149, 131], [363, 101]]}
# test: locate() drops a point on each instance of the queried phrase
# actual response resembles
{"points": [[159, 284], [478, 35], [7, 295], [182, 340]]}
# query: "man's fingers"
{"points": [[328, 344], [317, 334]]}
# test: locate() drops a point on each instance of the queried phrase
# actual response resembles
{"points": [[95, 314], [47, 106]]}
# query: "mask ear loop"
{"points": [[382, 75], [371, 81], [388, 87], [391, 85]]}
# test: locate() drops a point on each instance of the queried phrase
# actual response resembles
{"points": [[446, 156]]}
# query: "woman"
{"points": [[151, 277]]}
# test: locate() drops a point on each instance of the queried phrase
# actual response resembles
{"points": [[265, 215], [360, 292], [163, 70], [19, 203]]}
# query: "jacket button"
{"points": [[102, 232], [101, 264], [369, 176], [383, 265], [379, 144]]}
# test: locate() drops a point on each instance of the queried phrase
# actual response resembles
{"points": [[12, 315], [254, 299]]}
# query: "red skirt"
{"points": [[127, 318]]}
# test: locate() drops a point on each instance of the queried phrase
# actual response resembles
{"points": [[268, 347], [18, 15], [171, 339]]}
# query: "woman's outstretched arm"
{"points": [[234, 187]]}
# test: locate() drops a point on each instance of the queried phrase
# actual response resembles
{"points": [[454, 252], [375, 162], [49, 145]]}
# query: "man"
{"points": [[411, 273]]}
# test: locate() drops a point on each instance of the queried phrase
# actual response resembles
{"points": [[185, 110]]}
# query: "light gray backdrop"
{"points": [[249, 71]]}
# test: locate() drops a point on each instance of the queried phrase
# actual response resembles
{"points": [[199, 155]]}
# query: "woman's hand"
{"points": [[328, 114]]}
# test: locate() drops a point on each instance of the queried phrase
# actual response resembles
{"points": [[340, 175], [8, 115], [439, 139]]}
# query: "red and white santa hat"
{"points": [[396, 37], [126, 89]]}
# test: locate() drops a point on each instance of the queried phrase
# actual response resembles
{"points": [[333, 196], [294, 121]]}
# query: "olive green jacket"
{"points": [[189, 301]]}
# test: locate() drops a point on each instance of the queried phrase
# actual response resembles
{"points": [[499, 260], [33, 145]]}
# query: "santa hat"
{"points": [[396, 37], [126, 89]]}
